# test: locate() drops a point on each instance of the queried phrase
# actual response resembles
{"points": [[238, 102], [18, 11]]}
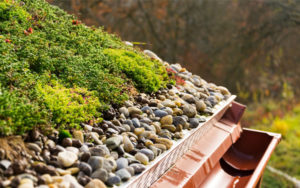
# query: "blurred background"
{"points": [[252, 47]]}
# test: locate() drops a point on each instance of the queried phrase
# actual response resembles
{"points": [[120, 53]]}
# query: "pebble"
{"points": [[100, 150], [122, 163], [114, 154], [194, 122], [26, 183], [178, 120], [113, 180], [128, 146], [189, 98], [76, 143], [62, 172], [123, 174], [85, 168], [128, 103], [77, 134], [124, 111], [109, 114], [200, 105], [136, 123], [45, 186], [130, 170], [45, 169], [47, 178], [169, 103], [71, 180], [73, 170], [4, 164], [178, 135], [171, 128], [67, 158], [100, 174], [160, 113], [168, 143], [126, 127], [152, 55], [67, 142], [139, 131], [121, 150], [134, 111], [147, 110], [17, 167], [34, 147], [148, 153], [2, 153], [177, 112], [84, 148], [142, 158], [153, 102], [138, 168], [213, 101], [57, 179], [109, 164], [148, 143], [189, 110], [85, 156], [166, 120], [95, 183], [223, 90], [113, 142], [96, 162], [28, 176], [57, 149], [73, 150]]}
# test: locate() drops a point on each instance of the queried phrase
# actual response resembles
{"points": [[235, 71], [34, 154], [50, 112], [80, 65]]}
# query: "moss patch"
{"points": [[40, 45]]}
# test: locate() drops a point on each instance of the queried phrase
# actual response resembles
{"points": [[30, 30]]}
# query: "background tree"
{"points": [[252, 47]]}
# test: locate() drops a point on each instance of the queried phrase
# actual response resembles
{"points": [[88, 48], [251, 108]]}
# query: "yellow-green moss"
{"points": [[148, 75], [70, 106]]}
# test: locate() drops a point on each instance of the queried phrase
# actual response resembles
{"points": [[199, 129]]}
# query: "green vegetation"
{"points": [[148, 76], [70, 106], [63, 134], [57, 72], [271, 180], [287, 154], [17, 113]]}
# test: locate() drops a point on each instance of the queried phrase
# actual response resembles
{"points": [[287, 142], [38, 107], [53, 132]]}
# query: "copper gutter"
{"points": [[223, 157]]}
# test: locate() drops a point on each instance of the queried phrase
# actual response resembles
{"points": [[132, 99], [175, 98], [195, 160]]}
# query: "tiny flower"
{"points": [[30, 30], [75, 22]]}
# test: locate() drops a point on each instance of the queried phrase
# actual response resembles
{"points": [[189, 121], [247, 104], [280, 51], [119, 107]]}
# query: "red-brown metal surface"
{"points": [[221, 158], [243, 164], [196, 164]]}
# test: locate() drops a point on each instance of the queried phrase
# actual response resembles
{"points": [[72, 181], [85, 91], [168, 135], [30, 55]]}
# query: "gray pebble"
{"points": [[194, 122], [113, 180], [122, 163], [96, 162], [136, 123], [123, 174], [148, 153], [138, 168], [100, 174], [160, 113], [100, 150], [113, 142], [85, 168]]}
